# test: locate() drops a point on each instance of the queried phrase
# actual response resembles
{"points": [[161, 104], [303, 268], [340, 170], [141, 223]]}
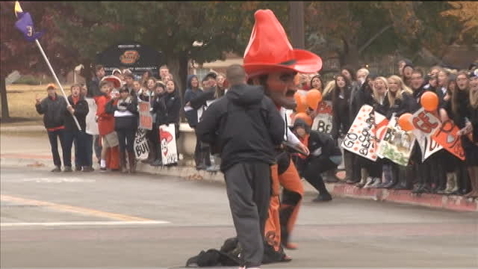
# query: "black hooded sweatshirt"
{"points": [[243, 126]]}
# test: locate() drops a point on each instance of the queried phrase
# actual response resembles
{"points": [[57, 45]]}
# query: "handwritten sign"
{"points": [[426, 124], [447, 137], [141, 147], [397, 144], [323, 121], [145, 118], [365, 133], [167, 138]]}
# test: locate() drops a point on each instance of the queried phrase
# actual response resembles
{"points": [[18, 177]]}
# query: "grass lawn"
{"points": [[21, 102]]}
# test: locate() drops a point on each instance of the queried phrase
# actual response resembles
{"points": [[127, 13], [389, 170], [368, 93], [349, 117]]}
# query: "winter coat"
{"points": [[243, 126], [53, 110], [106, 121], [167, 108], [125, 112], [341, 112], [81, 110]]}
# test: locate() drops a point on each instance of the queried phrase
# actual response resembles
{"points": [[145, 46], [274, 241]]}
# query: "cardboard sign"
{"points": [[141, 147], [145, 118], [448, 138], [167, 138], [323, 121], [365, 133], [425, 125], [397, 144]]}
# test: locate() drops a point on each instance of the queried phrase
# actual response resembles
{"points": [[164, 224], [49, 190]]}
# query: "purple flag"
{"points": [[25, 25]]}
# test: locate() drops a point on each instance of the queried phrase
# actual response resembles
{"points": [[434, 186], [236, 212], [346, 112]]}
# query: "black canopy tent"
{"points": [[134, 56]]}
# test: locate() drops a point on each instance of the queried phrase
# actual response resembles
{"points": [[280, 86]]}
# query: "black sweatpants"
{"points": [[249, 189], [311, 170]]}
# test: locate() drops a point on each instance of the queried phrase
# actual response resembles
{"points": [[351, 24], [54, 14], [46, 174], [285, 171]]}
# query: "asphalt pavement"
{"points": [[110, 220]]}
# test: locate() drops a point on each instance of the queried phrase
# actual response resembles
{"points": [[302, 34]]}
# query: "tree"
{"points": [[18, 54], [358, 30], [465, 11], [170, 27]]}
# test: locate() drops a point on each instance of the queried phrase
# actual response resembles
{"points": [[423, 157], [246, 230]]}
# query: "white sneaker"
{"points": [[369, 183]]}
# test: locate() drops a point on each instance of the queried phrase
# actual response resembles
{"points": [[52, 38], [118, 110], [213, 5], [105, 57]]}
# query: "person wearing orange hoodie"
{"points": [[106, 127]]}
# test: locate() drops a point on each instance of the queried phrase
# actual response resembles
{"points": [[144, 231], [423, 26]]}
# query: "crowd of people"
{"points": [[107, 112], [251, 118], [393, 96]]}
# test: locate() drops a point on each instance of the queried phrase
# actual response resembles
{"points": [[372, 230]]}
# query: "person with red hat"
{"points": [[270, 61]]}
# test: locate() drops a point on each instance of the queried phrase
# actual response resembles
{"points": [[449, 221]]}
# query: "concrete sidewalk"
{"points": [[35, 152]]}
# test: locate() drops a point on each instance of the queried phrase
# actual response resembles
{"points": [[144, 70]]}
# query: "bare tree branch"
{"points": [[370, 41]]}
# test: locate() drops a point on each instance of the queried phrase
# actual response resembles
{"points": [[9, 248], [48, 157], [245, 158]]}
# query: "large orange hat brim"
{"points": [[303, 62]]}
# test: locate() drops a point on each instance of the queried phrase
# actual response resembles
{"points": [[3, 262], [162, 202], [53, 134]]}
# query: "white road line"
{"points": [[82, 223]]}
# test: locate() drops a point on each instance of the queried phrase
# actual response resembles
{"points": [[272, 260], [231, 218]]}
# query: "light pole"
{"points": [[296, 19]]}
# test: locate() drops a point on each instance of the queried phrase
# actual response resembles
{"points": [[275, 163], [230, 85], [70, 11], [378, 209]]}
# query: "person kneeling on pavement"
{"points": [[324, 156]]}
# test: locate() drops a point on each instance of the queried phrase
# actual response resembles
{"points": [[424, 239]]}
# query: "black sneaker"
{"points": [[67, 169], [103, 169], [78, 168], [322, 198], [88, 169], [56, 169]]}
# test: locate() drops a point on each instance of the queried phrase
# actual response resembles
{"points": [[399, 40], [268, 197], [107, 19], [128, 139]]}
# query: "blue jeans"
{"points": [[79, 138], [53, 137]]}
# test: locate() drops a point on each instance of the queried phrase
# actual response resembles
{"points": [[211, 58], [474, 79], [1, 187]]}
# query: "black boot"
{"points": [[123, 162], [132, 162]]}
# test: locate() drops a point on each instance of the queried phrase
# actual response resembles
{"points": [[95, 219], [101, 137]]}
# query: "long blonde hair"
{"points": [[401, 89], [375, 94], [474, 93], [328, 88]]}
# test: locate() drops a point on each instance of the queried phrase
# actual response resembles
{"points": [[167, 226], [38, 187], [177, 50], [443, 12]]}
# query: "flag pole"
{"points": [[57, 81]]}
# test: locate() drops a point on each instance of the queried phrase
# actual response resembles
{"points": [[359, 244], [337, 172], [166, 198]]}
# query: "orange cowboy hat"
{"points": [[269, 49]]}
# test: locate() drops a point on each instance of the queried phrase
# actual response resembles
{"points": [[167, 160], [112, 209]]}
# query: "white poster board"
{"points": [[324, 119], [425, 126], [366, 131], [397, 144], [141, 147], [167, 138]]}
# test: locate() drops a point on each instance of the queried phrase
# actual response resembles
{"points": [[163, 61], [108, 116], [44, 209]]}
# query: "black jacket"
{"points": [[81, 110], [243, 126], [167, 109], [417, 94], [94, 88], [341, 112], [191, 95], [128, 122], [362, 96], [325, 142], [53, 111], [400, 106]]}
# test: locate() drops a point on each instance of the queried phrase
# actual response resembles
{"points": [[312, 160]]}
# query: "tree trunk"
{"points": [[3, 91], [178, 67], [350, 54]]}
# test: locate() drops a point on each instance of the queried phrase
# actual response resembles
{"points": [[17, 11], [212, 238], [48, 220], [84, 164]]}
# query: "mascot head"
{"points": [[270, 60]]}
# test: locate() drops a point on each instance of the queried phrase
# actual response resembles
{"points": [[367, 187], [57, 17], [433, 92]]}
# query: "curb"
{"points": [[455, 203]]}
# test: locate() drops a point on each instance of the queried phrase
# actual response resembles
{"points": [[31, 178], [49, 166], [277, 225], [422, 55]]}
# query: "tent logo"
{"points": [[129, 57]]}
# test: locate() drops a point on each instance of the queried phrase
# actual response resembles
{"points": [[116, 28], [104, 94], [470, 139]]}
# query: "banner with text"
{"points": [[425, 125], [145, 117], [397, 144], [323, 121], [366, 131], [141, 147], [447, 137]]}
